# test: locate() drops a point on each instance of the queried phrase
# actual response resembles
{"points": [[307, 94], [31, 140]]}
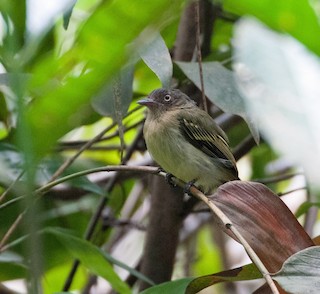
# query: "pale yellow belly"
{"points": [[177, 156]]}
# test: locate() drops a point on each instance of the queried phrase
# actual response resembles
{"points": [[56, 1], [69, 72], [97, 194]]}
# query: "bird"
{"points": [[185, 140]]}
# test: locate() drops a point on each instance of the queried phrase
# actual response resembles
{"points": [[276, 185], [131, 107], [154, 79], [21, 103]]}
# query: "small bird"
{"points": [[186, 142]]}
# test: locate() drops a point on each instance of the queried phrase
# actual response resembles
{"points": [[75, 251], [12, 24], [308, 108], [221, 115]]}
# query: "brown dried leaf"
{"points": [[264, 221]]}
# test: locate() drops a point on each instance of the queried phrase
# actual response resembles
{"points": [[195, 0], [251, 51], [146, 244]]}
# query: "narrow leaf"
{"points": [[173, 287], [90, 256], [247, 272]]}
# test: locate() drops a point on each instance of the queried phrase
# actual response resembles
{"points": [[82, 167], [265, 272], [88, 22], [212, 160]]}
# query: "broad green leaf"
{"points": [[279, 80], [296, 18], [247, 272], [99, 51], [300, 273], [220, 88], [90, 256], [105, 102], [156, 56], [173, 287]]}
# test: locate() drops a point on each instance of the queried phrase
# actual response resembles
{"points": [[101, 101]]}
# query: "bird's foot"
{"points": [[188, 186], [169, 180]]}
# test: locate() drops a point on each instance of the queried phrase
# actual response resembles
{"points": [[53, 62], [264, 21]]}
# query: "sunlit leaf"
{"points": [[90, 256], [63, 104], [220, 88], [157, 57], [297, 18], [300, 273], [279, 79]]}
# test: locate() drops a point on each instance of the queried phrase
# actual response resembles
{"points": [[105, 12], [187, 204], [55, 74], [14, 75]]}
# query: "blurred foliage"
{"points": [[61, 86]]}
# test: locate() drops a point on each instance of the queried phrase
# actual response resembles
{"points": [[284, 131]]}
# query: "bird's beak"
{"points": [[147, 102]]}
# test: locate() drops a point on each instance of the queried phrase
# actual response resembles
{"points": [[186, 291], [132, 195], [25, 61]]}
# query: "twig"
{"points": [[244, 147], [11, 230], [197, 21], [88, 144], [292, 191], [228, 224], [108, 168], [5, 193], [70, 160], [154, 170], [278, 178]]}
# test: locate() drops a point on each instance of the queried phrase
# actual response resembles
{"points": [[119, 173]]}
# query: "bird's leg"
{"points": [[188, 186], [169, 179]]}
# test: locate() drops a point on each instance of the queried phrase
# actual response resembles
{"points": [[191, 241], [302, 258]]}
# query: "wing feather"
{"points": [[203, 133]]}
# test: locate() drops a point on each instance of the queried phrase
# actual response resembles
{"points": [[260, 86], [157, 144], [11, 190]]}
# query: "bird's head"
{"points": [[162, 100]]}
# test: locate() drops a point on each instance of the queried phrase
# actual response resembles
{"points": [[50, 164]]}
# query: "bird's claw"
{"points": [[188, 186], [169, 180]]}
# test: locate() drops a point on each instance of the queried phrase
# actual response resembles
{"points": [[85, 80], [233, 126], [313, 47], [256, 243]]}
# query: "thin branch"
{"points": [[244, 147], [292, 191], [11, 230], [108, 168], [88, 144], [51, 184], [5, 193], [198, 43], [70, 160], [278, 178], [228, 224], [154, 170]]}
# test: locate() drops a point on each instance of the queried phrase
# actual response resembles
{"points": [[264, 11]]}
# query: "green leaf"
{"points": [[4, 113], [300, 272], [247, 272], [156, 56], [173, 287], [305, 206], [90, 256], [100, 51], [296, 18], [105, 102], [220, 88], [279, 78]]}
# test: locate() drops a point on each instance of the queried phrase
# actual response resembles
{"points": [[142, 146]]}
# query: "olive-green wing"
{"points": [[202, 132]]}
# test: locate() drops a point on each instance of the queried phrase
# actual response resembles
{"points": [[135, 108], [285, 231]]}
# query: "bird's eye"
{"points": [[167, 98]]}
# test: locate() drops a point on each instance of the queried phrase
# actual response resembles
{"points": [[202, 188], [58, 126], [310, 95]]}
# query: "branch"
{"points": [[229, 226], [198, 43]]}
